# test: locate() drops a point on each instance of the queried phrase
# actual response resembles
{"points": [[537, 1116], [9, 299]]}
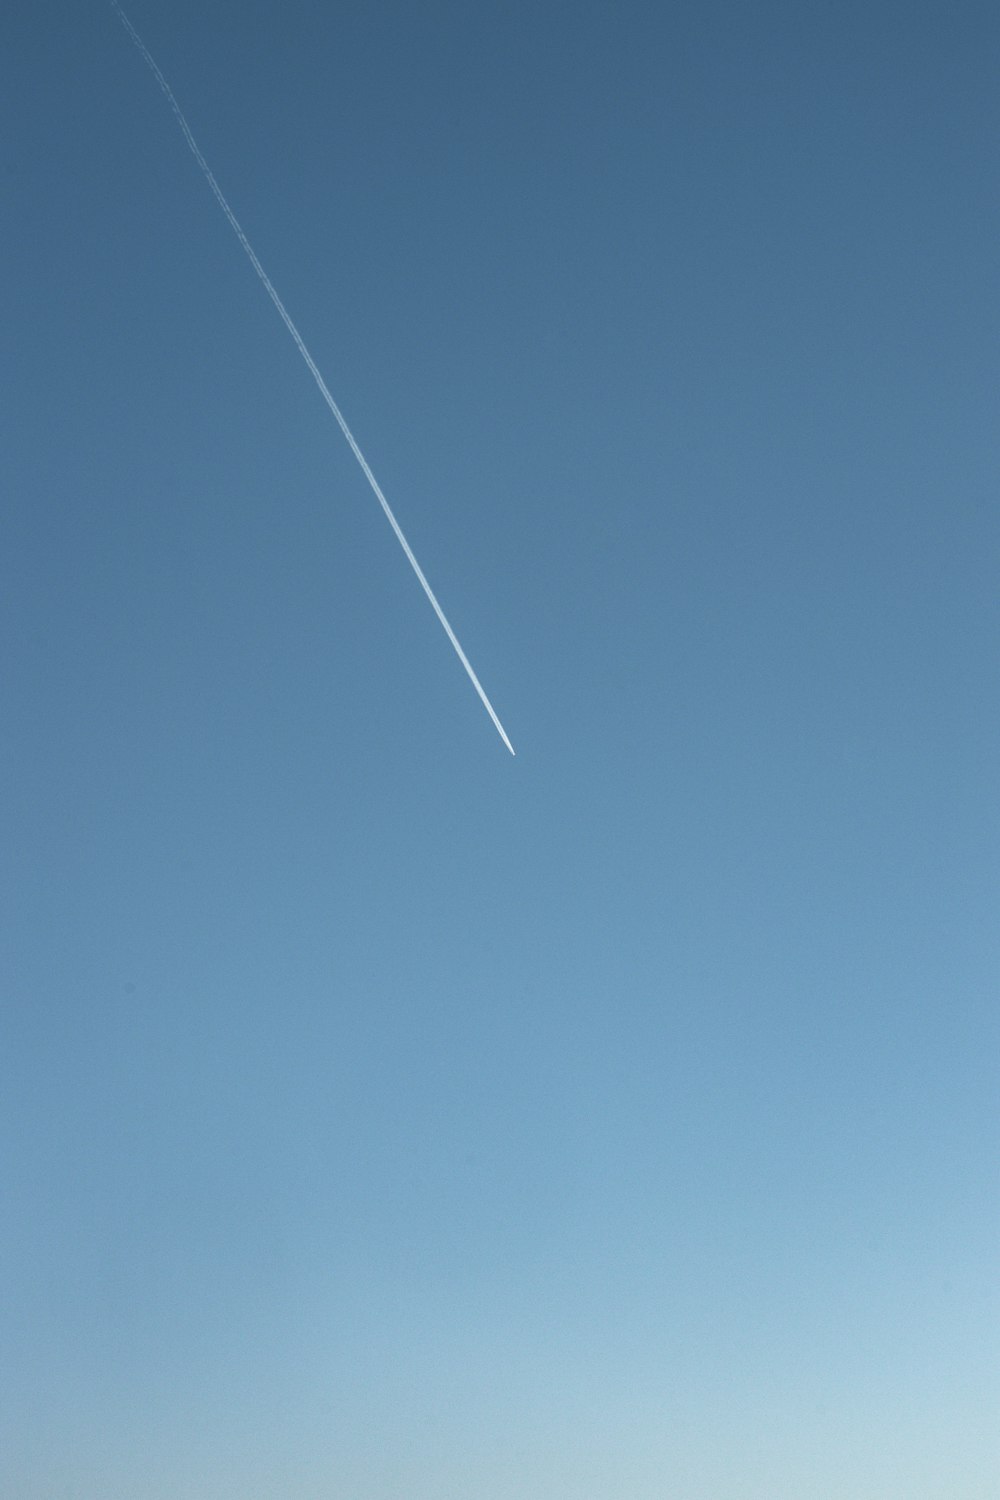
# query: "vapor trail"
{"points": [[237, 229]]}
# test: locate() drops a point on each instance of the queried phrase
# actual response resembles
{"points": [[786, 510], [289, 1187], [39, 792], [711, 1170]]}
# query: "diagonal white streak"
{"points": [[282, 311]]}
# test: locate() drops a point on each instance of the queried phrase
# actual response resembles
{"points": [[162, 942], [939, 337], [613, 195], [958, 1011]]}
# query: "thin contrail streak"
{"points": [[237, 229]]}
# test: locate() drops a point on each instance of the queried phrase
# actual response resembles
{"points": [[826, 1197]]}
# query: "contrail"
{"points": [[237, 229]]}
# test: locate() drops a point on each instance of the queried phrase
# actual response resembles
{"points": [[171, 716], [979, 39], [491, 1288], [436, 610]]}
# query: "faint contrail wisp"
{"points": [[237, 229]]}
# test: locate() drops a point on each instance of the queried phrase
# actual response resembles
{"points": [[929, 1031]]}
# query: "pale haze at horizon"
{"points": [[383, 1115]]}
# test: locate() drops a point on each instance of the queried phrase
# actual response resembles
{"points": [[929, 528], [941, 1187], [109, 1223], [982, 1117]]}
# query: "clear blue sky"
{"points": [[382, 1116]]}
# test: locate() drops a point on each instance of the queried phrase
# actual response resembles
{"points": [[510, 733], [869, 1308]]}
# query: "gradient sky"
{"points": [[383, 1117]]}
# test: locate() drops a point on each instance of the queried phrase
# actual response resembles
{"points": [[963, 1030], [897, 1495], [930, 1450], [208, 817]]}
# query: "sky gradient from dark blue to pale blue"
{"points": [[382, 1116]]}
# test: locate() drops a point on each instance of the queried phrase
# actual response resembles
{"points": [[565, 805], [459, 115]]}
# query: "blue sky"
{"points": [[381, 1115]]}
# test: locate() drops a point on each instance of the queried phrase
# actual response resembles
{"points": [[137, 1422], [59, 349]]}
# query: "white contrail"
{"points": [[220, 198]]}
